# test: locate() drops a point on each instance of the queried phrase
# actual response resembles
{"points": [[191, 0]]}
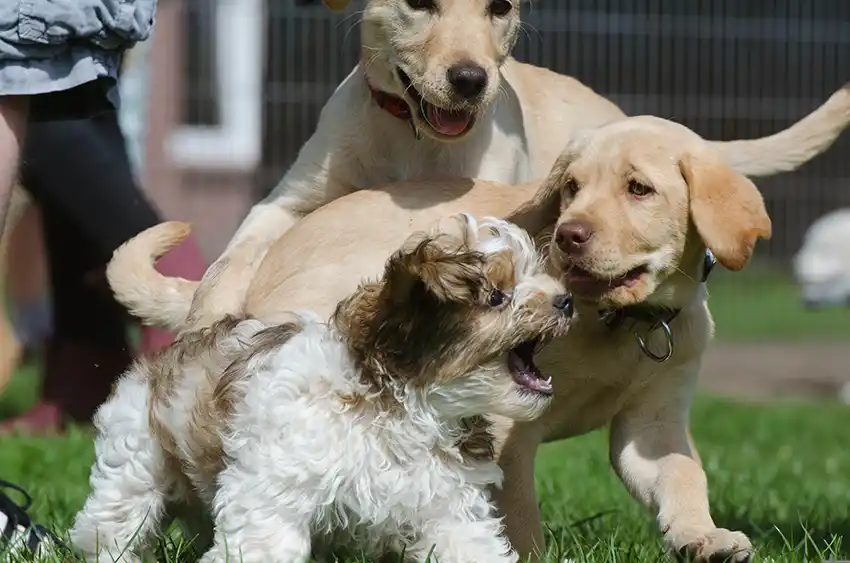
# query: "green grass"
{"points": [[779, 473], [761, 304]]}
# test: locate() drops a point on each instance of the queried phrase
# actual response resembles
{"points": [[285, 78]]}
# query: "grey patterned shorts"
{"points": [[66, 53]]}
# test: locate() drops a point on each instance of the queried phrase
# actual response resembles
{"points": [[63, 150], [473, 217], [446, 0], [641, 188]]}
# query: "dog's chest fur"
{"points": [[596, 371]]}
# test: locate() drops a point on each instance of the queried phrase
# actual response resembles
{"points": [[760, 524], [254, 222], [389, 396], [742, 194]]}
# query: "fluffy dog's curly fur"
{"points": [[365, 433]]}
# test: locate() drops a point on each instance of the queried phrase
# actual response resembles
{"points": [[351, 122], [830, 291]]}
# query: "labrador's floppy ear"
{"points": [[336, 5], [544, 208], [726, 208]]}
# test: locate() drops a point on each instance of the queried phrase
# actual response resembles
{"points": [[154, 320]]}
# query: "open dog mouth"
{"points": [[524, 372], [588, 284], [445, 122]]}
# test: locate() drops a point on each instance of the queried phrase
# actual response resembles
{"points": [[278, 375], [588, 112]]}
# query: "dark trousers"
{"points": [[79, 173]]}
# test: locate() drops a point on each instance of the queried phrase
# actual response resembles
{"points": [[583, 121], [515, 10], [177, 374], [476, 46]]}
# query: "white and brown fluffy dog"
{"points": [[366, 430]]}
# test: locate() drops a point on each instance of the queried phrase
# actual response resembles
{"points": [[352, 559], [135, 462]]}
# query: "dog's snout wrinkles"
{"points": [[572, 236], [468, 79], [564, 303]]}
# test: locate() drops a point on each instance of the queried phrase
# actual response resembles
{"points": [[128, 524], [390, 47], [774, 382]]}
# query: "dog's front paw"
{"points": [[716, 546]]}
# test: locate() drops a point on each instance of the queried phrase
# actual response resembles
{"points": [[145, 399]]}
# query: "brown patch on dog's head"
{"points": [[446, 310], [641, 199], [441, 56]]}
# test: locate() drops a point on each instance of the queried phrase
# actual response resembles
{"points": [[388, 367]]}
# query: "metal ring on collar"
{"points": [[668, 336]]}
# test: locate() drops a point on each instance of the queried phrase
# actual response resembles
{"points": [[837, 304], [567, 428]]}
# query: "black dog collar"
{"points": [[658, 318]]}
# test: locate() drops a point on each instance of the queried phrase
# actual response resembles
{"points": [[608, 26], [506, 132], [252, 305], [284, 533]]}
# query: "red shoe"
{"points": [[44, 418]]}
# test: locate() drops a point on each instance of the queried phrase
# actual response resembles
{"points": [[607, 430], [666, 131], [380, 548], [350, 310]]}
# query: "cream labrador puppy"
{"points": [[437, 95], [634, 204]]}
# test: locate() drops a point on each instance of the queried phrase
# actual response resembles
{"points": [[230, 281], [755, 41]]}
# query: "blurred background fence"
{"points": [[726, 68]]}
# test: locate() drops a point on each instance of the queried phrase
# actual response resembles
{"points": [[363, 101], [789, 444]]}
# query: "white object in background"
{"points": [[235, 144], [822, 265], [844, 394], [132, 115]]}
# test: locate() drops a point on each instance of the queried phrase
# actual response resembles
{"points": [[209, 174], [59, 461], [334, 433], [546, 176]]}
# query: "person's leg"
{"points": [[26, 282], [53, 54], [80, 173], [10, 339], [83, 167], [13, 122], [88, 350]]}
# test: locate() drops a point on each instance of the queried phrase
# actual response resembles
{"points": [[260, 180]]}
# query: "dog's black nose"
{"points": [[564, 303], [468, 79]]}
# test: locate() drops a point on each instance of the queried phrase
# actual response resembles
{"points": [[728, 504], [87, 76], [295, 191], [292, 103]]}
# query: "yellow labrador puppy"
{"points": [[634, 204], [436, 96]]}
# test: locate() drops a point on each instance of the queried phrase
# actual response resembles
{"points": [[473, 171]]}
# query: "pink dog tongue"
{"points": [[449, 123]]}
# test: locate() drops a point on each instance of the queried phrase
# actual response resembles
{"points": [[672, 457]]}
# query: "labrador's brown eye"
{"points": [[500, 8], [639, 190], [421, 4], [571, 188]]}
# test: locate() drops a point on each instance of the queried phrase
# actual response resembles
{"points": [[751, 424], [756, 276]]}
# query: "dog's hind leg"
{"points": [[465, 531], [259, 523], [129, 479]]}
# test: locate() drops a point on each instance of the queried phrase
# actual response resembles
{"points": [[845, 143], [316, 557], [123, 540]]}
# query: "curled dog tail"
{"points": [[152, 297], [792, 147]]}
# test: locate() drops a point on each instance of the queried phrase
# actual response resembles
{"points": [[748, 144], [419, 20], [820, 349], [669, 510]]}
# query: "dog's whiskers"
{"points": [[354, 24], [372, 58], [525, 26], [684, 273], [503, 95], [349, 30], [351, 15]]}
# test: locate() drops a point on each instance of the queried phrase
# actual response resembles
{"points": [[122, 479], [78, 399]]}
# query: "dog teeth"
{"points": [[549, 380]]}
